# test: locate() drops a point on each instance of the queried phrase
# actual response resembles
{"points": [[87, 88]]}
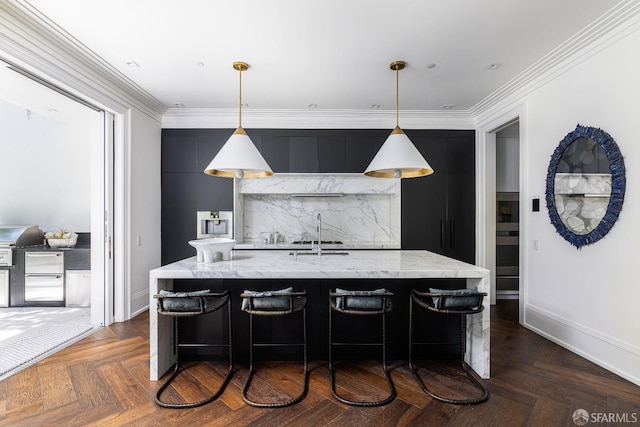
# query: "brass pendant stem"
{"points": [[397, 96], [240, 101], [240, 66], [397, 66]]}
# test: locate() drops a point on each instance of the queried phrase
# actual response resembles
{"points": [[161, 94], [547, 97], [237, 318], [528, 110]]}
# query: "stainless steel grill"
{"points": [[16, 236]]}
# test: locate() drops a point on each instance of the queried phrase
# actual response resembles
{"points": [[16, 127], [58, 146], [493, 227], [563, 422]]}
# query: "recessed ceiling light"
{"points": [[312, 105], [133, 64], [447, 106], [374, 106], [494, 66], [432, 65], [178, 104]]}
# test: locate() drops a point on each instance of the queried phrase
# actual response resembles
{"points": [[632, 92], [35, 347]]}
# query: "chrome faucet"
{"points": [[319, 229]]}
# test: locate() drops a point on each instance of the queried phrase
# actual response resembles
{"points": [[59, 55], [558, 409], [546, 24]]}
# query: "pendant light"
{"points": [[398, 157], [239, 157]]}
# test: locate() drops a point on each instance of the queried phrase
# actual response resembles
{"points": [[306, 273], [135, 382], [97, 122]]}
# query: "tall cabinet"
{"points": [[438, 211]]}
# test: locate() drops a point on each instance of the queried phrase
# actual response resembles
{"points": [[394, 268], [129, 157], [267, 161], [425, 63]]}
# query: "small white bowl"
{"points": [[210, 249], [63, 243]]}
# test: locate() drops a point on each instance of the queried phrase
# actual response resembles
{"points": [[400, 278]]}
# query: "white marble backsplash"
{"points": [[354, 208]]}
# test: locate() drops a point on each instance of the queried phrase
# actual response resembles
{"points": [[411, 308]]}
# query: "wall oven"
{"points": [[507, 245], [44, 278]]}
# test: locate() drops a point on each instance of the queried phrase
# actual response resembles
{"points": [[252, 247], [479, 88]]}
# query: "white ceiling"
{"points": [[332, 53]]}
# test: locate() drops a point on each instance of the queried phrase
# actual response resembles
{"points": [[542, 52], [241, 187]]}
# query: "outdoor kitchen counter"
{"points": [[374, 265]]}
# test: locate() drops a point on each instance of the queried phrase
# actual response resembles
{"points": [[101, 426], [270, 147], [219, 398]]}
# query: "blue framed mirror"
{"points": [[585, 185]]}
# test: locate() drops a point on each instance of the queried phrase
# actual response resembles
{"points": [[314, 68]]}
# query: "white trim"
{"points": [[223, 118], [40, 46], [121, 184], [586, 342], [486, 188], [614, 25]]}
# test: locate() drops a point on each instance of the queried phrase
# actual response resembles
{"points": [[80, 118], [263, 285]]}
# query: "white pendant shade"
{"points": [[239, 158], [398, 158]]}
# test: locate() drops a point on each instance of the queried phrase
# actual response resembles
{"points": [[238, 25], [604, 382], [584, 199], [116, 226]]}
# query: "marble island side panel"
{"points": [[363, 264]]}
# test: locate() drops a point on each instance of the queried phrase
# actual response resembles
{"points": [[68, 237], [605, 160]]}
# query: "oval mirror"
{"points": [[585, 185]]}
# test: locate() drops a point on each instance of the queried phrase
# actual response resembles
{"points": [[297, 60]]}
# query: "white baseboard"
{"points": [[617, 356]]}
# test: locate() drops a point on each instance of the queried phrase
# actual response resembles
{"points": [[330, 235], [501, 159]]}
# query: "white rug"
{"points": [[28, 334]]}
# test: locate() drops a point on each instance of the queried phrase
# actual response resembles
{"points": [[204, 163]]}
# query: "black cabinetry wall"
{"points": [[437, 211]]}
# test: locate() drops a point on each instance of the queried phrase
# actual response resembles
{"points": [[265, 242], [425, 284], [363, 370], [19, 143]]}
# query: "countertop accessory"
{"points": [[61, 238], [239, 157], [398, 157], [208, 250]]}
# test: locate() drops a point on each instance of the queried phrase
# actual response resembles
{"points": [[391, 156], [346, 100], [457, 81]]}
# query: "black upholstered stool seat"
{"points": [[189, 304], [275, 303], [460, 302], [361, 303]]}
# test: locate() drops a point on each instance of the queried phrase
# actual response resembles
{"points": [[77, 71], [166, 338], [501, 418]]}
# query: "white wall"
{"points": [[144, 207], [507, 156], [45, 169], [587, 299]]}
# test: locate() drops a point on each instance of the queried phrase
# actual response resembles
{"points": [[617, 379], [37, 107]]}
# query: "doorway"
{"points": [[60, 174], [507, 212]]}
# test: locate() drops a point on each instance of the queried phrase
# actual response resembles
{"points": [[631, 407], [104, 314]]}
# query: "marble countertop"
{"points": [[270, 264], [325, 246]]}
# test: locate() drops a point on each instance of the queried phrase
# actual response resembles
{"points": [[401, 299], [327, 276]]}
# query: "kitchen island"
{"points": [[397, 270]]}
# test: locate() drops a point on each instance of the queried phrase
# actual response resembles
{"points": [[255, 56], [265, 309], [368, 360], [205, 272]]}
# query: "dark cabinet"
{"points": [[438, 211]]}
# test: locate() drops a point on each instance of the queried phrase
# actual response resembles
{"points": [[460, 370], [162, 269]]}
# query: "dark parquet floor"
{"points": [[103, 380]]}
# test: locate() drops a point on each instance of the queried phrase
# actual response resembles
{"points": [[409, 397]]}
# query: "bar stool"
{"points": [[186, 304], [361, 303], [275, 303], [461, 302]]}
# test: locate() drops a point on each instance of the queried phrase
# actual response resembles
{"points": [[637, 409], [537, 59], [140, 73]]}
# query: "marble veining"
{"points": [[374, 264], [355, 209]]}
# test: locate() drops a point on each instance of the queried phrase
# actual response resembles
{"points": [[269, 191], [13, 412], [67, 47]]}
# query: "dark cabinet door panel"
{"points": [[303, 154], [275, 150], [179, 154], [332, 152], [361, 148]]}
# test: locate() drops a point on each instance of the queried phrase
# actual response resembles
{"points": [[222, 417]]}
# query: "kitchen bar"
{"points": [[373, 266]]}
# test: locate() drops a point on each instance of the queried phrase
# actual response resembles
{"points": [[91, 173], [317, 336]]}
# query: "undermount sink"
{"points": [[208, 250], [295, 253]]}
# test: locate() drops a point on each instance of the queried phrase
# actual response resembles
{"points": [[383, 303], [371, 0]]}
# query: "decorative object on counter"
{"points": [[189, 304], [239, 157], [398, 157], [61, 238], [460, 302], [275, 303], [362, 303], [208, 250], [585, 185]]}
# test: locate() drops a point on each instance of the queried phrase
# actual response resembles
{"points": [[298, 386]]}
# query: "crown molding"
{"points": [[224, 118], [617, 23], [32, 41]]}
